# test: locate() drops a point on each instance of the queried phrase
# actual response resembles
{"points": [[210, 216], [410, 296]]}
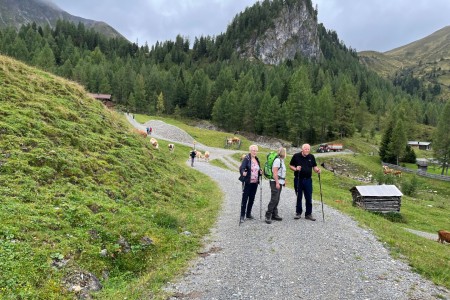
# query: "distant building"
{"points": [[420, 145], [105, 98], [422, 165]]}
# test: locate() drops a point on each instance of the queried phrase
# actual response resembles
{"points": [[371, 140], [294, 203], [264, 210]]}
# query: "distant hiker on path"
{"points": [[303, 163], [251, 170], [192, 155], [276, 185]]}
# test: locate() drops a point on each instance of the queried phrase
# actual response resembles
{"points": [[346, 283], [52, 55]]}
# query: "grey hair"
{"points": [[253, 146]]}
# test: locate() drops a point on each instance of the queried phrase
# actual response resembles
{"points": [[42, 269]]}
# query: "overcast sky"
{"points": [[362, 24]]}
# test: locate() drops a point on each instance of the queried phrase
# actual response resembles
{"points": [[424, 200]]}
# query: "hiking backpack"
{"points": [[269, 163]]}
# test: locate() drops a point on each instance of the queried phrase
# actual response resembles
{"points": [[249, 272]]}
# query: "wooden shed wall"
{"points": [[378, 204]]}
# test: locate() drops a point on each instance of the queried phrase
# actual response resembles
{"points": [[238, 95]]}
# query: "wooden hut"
{"points": [[378, 198], [105, 98], [422, 165]]}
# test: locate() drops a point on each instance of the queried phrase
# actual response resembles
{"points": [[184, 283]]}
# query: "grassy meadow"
{"points": [[82, 194]]}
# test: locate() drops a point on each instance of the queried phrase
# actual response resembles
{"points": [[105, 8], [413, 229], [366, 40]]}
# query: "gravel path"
{"points": [[291, 259]]}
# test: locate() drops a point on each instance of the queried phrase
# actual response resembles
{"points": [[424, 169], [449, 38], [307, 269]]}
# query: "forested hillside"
{"points": [[299, 99]]}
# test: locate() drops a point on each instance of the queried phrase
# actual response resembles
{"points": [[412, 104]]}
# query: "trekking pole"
{"points": [[321, 200], [260, 200], [243, 186]]}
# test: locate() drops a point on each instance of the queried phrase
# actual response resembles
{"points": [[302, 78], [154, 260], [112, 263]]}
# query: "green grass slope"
{"points": [[428, 58], [81, 193]]}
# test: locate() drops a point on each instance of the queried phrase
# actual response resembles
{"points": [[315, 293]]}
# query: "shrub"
{"points": [[409, 187]]}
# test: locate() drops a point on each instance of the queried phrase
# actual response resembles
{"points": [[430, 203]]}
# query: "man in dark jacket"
{"points": [[303, 163]]}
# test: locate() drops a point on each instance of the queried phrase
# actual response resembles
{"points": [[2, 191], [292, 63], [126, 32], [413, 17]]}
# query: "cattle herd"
{"points": [[154, 142]]}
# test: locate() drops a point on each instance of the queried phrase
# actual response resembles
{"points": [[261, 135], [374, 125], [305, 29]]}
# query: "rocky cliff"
{"points": [[294, 31]]}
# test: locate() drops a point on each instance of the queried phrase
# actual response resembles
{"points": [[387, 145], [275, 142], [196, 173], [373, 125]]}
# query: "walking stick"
{"points": [[241, 204], [321, 200], [260, 200]]}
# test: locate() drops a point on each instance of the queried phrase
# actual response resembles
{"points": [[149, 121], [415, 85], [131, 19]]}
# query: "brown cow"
{"points": [[141, 132], [397, 173], [206, 156], [387, 170], [443, 236]]}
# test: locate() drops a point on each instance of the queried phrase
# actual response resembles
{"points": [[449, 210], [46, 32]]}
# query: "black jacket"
{"points": [[246, 165]]}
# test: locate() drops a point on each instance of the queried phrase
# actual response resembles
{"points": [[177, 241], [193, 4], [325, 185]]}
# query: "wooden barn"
{"points": [[378, 198], [105, 98]]}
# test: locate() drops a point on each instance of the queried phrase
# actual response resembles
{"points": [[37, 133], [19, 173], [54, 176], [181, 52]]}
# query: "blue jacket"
{"points": [[246, 165]]}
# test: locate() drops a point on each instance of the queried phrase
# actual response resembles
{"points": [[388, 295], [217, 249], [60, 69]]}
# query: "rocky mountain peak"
{"points": [[295, 30]]}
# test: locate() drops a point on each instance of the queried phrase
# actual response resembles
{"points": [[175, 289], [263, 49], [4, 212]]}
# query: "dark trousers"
{"points": [[303, 187], [272, 209], [248, 197]]}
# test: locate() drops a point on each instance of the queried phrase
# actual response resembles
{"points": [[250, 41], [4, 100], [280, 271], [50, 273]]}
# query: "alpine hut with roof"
{"points": [[377, 198]]}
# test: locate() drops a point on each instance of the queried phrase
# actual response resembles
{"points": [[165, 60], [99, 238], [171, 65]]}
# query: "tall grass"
{"points": [[81, 193]]}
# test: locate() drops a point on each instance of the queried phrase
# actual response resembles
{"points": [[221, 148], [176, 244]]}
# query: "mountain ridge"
{"points": [[427, 59], [16, 13]]}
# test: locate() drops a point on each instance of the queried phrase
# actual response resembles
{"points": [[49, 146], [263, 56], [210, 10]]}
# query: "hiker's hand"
{"points": [[299, 168], [277, 185], [244, 173]]}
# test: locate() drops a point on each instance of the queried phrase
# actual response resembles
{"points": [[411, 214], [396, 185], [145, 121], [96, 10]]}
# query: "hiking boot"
{"points": [[277, 218], [297, 216], [250, 217], [310, 217], [241, 220], [268, 220]]}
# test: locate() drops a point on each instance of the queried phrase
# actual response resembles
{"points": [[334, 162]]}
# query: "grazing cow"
{"points": [[199, 155], [443, 236], [154, 143], [141, 132], [397, 173], [387, 170], [171, 147], [207, 156], [235, 140]]}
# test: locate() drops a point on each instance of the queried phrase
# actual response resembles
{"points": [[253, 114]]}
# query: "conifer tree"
{"points": [[441, 139], [298, 105], [385, 154], [398, 142], [160, 104]]}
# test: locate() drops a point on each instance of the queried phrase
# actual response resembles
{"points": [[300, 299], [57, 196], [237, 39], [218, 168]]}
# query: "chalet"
{"points": [[105, 98], [377, 198], [420, 145]]}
